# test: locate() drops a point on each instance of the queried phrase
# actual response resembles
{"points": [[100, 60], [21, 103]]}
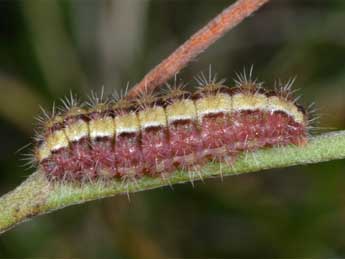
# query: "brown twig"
{"points": [[200, 41]]}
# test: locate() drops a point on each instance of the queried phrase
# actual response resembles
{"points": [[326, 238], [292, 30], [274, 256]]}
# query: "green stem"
{"points": [[36, 196]]}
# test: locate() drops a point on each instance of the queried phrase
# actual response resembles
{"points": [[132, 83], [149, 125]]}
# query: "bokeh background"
{"points": [[49, 47]]}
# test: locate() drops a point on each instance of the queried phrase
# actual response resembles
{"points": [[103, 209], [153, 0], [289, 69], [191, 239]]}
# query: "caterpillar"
{"points": [[156, 134]]}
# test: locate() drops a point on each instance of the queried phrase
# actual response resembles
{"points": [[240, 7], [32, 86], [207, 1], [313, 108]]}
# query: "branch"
{"points": [[196, 44], [36, 196]]}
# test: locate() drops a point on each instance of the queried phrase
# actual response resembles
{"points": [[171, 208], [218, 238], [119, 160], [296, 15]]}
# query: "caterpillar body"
{"points": [[155, 135]]}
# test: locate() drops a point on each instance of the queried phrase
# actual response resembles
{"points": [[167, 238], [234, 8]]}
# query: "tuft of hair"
{"points": [[28, 157], [173, 93], [69, 102], [96, 98], [120, 101], [29, 160], [38, 135], [313, 115], [45, 116], [145, 99], [176, 85], [284, 90], [246, 82], [209, 79], [118, 95]]}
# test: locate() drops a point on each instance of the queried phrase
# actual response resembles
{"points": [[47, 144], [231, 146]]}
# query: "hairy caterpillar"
{"points": [[155, 135]]}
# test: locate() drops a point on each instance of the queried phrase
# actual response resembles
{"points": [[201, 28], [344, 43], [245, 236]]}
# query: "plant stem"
{"points": [[196, 44], [36, 196]]}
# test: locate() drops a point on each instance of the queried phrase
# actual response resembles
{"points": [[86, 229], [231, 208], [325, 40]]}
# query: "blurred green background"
{"points": [[49, 47]]}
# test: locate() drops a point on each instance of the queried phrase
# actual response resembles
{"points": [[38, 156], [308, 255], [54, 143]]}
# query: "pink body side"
{"points": [[182, 145]]}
